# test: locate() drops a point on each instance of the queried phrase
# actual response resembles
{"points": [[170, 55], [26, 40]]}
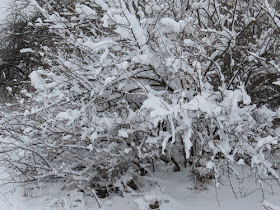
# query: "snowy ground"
{"points": [[173, 191]]}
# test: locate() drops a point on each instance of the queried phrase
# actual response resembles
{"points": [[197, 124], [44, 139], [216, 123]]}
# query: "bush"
{"points": [[20, 44], [130, 84]]}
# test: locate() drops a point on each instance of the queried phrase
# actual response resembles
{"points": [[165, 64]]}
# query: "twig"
{"points": [[95, 196]]}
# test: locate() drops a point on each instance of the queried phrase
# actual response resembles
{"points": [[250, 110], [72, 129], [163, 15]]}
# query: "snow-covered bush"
{"points": [[18, 48], [131, 84]]}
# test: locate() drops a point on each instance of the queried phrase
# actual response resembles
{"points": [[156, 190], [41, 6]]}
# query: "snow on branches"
{"points": [[133, 83]]}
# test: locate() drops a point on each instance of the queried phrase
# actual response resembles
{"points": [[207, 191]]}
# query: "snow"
{"points": [[277, 83], [143, 59], [102, 4], [172, 191], [123, 133], [200, 103], [268, 205], [127, 150], [26, 50], [173, 24], [122, 65], [70, 115], [93, 136], [3, 9], [85, 11], [109, 80], [210, 164], [187, 142], [97, 46], [218, 124], [188, 42], [266, 141], [159, 107], [37, 81], [272, 13]]}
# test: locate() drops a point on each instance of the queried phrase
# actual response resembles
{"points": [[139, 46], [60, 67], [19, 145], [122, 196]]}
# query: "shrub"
{"points": [[130, 84]]}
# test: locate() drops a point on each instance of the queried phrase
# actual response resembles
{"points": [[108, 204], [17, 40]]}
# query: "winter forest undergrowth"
{"points": [[137, 104]]}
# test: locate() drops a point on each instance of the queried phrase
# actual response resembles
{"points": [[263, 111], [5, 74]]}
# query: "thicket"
{"points": [[125, 87]]}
